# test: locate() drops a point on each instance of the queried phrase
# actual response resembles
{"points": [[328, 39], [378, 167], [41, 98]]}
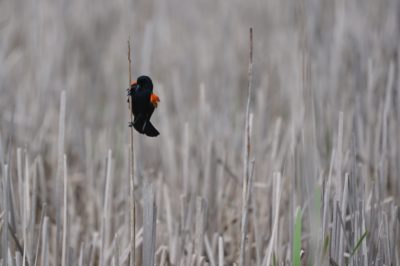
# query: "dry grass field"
{"points": [[303, 168]]}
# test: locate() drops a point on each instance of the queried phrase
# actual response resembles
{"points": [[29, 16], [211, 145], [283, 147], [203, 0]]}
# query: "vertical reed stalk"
{"points": [[65, 214], [131, 169], [246, 175], [61, 136], [5, 215]]}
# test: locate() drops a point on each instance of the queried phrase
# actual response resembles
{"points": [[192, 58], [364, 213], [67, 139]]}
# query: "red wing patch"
{"points": [[154, 99]]}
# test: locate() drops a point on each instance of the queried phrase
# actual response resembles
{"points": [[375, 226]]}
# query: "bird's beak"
{"points": [[132, 89]]}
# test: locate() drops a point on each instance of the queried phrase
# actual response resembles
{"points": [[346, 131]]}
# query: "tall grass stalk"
{"points": [[45, 242], [26, 212], [149, 225], [41, 225], [61, 137], [64, 261], [131, 172], [277, 198], [343, 213], [5, 190], [246, 161]]}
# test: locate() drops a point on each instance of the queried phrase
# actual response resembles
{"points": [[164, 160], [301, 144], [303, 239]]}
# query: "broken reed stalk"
{"points": [[209, 251], [246, 173], [149, 225], [65, 222], [201, 217], [25, 256], [40, 233], [45, 236], [5, 215], [275, 226], [80, 260], [61, 136], [221, 251], [131, 166], [105, 238]]}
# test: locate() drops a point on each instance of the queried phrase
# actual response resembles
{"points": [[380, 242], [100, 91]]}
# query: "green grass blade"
{"points": [[326, 246], [359, 243]]}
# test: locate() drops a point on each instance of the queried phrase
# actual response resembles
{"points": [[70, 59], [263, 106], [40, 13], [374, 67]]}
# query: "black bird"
{"points": [[143, 103]]}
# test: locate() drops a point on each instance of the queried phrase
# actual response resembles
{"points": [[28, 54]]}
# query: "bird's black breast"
{"points": [[141, 102]]}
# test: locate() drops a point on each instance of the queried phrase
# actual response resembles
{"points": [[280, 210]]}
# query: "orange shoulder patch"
{"points": [[154, 99]]}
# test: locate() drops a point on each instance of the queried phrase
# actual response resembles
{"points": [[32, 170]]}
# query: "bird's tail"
{"points": [[150, 130], [144, 126]]}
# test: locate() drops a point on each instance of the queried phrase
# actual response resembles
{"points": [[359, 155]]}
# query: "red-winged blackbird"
{"points": [[143, 102]]}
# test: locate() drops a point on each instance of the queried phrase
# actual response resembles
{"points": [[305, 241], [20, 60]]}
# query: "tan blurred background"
{"points": [[81, 47]]}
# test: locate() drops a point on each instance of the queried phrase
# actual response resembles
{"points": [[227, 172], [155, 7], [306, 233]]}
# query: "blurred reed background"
{"points": [[323, 165]]}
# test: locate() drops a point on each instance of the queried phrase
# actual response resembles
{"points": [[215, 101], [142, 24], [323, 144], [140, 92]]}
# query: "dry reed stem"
{"points": [[343, 212], [201, 218], [221, 251], [131, 170], [5, 215], [45, 238], [44, 207], [65, 214], [26, 255], [246, 175], [277, 193], [61, 136], [80, 260], [209, 250], [149, 225]]}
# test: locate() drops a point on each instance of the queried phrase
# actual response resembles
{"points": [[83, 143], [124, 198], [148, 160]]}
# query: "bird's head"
{"points": [[144, 83]]}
